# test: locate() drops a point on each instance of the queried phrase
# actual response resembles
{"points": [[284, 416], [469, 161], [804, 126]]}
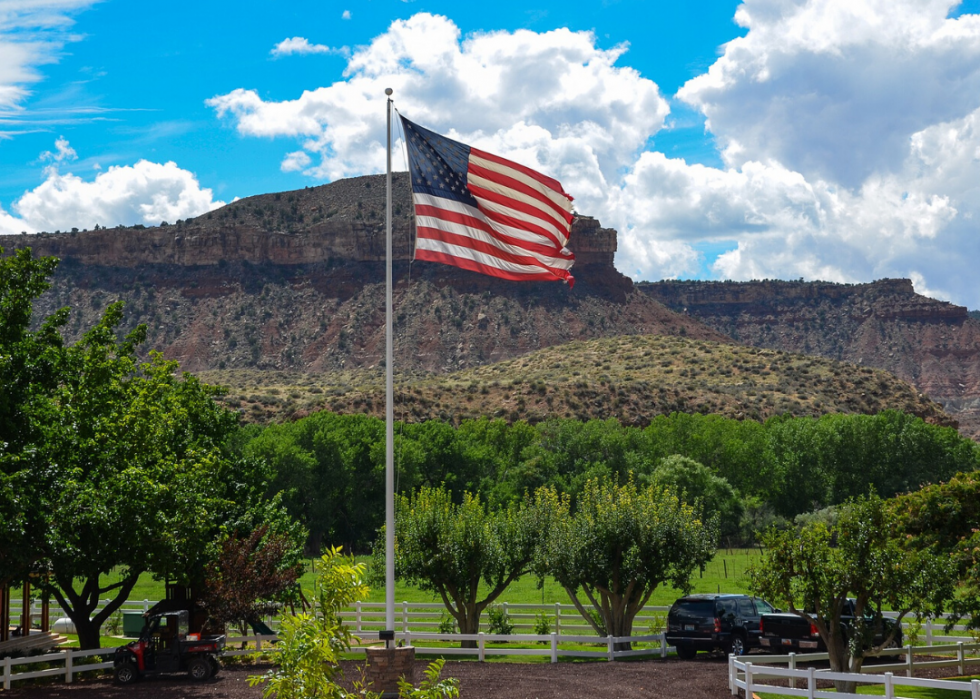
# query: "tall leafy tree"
{"points": [[943, 520], [619, 544], [30, 362], [813, 571], [449, 548], [141, 482]]}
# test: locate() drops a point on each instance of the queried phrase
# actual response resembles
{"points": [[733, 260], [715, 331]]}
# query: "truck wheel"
{"points": [[199, 669], [126, 672], [215, 665], [686, 652], [736, 645]]}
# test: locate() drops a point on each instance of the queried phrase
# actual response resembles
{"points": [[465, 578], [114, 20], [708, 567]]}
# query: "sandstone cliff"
{"points": [[932, 344], [296, 281]]}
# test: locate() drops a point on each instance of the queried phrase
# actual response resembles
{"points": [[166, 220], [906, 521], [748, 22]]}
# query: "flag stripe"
{"points": [[543, 179], [488, 250], [432, 217], [509, 213], [520, 236], [494, 190], [443, 251], [511, 180], [481, 212]]}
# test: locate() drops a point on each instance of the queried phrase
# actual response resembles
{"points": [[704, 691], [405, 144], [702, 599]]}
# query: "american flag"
{"points": [[486, 214]]}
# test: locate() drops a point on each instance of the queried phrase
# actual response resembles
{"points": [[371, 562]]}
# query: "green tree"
{"points": [[310, 644], [449, 548], [621, 543], [30, 362], [697, 485], [943, 520], [814, 570], [141, 482]]}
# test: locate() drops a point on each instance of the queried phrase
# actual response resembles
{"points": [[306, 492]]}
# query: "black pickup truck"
{"points": [[785, 632]]}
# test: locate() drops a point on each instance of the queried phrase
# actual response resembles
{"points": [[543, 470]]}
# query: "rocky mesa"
{"points": [[934, 345]]}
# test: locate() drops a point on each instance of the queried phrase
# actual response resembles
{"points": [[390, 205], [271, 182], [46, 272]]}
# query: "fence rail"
{"points": [[63, 663], [746, 675]]}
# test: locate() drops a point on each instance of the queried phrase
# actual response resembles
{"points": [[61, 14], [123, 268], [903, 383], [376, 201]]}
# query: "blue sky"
{"points": [[151, 66], [825, 139]]}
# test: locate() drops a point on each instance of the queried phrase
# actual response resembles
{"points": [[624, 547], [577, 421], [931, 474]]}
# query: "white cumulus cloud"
{"points": [[301, 45], [551, 100], [146, 193], [849, 132]]}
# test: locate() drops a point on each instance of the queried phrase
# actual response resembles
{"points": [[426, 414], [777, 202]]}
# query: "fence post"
{"points": [[482, 645], [909, 663], [404, 617], [889, 686], [408, 638], [69, 669], [357, 608], [7, 672], [558, 617], [609, 647], [792, 666], [732, 673], [748, 681], [663, 644], [258, 643], [506, 613], [929, 631], [975, 686], [554, 647], [959, 656], [146, 605]]}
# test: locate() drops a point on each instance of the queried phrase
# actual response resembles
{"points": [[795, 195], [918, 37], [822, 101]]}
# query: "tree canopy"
{"points": [[449, 548], [814, 570], [618, 545]]}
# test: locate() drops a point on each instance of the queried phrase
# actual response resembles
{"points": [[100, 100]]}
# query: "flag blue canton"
{"points": [[438, 164]]}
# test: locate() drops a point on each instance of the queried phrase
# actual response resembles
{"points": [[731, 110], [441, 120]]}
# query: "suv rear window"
{"points": [[697, 608]]}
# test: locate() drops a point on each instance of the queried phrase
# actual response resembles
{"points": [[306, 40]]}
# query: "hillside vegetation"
{"points": [[630, 378]]}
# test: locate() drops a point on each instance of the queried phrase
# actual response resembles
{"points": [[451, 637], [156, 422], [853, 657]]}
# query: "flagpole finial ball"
{"points": [[388, 91]]}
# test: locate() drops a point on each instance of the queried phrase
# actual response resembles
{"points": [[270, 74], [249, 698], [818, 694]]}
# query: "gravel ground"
{"points": [[704, 678]]}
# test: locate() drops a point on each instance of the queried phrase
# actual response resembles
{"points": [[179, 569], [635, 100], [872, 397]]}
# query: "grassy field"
{"points": [[905, 691], [727, 572]]}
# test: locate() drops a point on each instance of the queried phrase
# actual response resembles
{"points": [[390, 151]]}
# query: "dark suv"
{"points": [[709, 622]]}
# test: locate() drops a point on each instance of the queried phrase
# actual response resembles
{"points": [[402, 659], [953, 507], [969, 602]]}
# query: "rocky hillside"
{"points": [[932, 344], [632, 379], [295, 281]]}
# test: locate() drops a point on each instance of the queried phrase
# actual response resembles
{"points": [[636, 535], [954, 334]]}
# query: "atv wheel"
{"points": [[199, 669], [126, 672], [215, 665]]}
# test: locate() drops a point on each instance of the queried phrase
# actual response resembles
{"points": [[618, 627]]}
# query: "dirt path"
{"points": [[704, 678]]}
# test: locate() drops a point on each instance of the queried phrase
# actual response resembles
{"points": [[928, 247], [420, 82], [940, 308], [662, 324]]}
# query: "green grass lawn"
{"points": [[727, 572], [905, 691]]}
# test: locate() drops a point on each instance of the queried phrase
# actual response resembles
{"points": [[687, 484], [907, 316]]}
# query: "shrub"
{"points": [[499, 620]]}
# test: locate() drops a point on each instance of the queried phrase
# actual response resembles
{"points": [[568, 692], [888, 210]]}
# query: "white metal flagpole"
{"points": [[389, 414]]}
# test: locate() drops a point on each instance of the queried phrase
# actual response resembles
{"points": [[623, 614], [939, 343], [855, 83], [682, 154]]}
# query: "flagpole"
{"points": [[389, 413]]}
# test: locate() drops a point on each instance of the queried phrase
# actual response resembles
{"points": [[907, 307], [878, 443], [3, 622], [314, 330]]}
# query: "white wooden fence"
{"points": [[64, 663], [748, 673]]}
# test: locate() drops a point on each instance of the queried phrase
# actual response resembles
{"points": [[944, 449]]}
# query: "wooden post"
{"points": [[25, 609], [4, 610]]}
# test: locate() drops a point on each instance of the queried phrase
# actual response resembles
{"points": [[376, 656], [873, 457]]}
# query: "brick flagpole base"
{"points": [[386, 665]]}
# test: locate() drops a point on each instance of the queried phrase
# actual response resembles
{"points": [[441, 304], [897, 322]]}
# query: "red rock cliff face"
{"points": [[295, 281], [932, 344], [342, 221]]}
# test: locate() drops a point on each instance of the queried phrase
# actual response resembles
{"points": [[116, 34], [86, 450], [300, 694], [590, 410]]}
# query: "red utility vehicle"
{"points": [[165, 645]]}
